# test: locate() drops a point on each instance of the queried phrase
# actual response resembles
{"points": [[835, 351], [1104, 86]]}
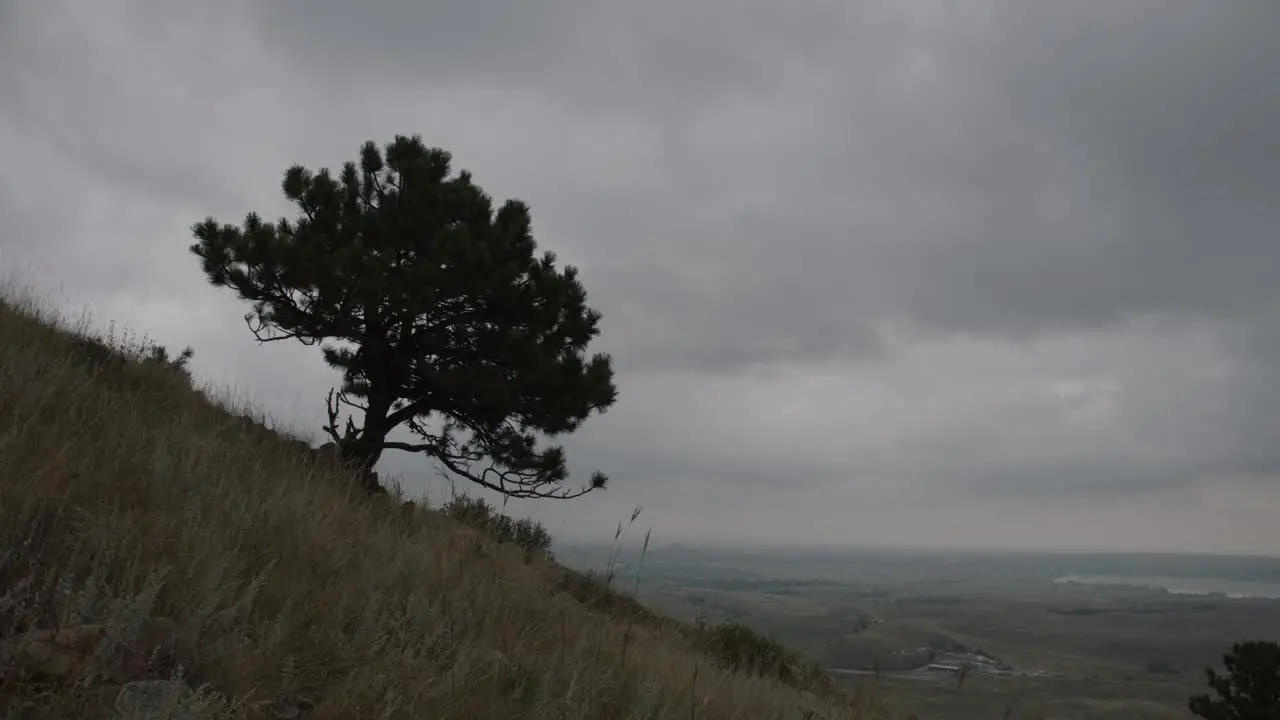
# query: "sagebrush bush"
{"points": [[122, 356], [739, 648], [525, 532], [158, 355]]}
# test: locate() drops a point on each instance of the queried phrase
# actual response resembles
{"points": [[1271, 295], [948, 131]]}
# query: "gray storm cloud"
{"points": [[857, 261]]}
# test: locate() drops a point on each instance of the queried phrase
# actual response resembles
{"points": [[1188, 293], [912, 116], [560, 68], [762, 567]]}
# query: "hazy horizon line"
{"points": [[712, 544]]}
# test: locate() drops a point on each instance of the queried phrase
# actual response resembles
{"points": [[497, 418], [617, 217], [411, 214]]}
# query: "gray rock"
{"points": [[160, 700]]}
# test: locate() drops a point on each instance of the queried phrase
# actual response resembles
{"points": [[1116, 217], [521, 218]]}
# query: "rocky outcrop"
{"points": [[59, 654], [133, 677]]}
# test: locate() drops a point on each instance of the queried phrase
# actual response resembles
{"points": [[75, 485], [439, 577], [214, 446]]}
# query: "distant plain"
{"points": [[1073, 635]]}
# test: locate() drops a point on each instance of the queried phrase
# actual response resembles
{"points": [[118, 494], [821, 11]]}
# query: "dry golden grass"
{"points": [[126, 495]]}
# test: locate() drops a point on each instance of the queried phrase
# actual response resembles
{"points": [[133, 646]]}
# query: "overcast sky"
{"points": [[898, 272]]}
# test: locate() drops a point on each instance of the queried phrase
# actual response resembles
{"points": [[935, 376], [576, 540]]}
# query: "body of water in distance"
{"points": [[1236, 589]]}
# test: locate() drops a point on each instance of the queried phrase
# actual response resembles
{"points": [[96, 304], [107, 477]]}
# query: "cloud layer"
{"points": [[998, 273]]}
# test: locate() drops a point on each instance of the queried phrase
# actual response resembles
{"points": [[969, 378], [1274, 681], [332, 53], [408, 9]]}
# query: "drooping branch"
{"points": [[460, 458], [512, 483]]}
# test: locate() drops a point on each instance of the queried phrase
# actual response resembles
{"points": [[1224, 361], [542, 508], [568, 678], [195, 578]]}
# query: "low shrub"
{"points": [[525, 532], [738, 648]]}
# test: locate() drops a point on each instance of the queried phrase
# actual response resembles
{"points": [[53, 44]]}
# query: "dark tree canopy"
{"points": [[1251, 688], [436, 309]]}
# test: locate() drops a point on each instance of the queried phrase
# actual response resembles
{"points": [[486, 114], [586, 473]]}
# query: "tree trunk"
{"points": [[363, 451], [361, 455]]}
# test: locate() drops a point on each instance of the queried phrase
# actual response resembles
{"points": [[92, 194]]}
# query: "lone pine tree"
{"points": [[435, 308], [1250, 689]]}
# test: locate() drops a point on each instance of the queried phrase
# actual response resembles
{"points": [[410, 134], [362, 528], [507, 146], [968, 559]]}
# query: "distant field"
{"points": [[985, 697], [1109, 650]]}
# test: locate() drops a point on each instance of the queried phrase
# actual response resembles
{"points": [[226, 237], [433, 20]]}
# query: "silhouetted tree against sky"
{"points": [[1251, 688], [437, 310]]}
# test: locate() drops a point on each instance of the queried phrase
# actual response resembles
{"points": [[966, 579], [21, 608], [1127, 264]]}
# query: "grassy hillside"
{"points": [[164, 556]]}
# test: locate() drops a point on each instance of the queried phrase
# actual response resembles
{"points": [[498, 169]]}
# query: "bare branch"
{"points": [[265, 333], [332, 402], [342, 398]]}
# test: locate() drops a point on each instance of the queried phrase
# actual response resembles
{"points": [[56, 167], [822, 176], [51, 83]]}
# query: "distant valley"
{"points": [[960, 634]]}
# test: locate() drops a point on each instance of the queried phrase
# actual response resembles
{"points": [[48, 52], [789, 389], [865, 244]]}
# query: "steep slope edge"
{"points": [[161, 551]]}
